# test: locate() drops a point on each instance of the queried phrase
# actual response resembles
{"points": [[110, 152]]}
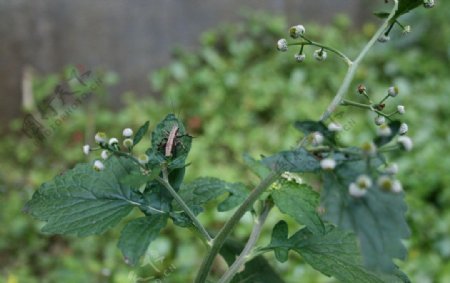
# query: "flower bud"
{"points": [[328, 164], [282, 45], [98, 165], [403, 129], [320, 55], [127, 143], [384, 38], [299, 57], [317, 138], [334, 127], [405, 143], [143, 159], [104, 154], [362, 89], [428, 3], [86, 149], [100, 138], [113, 141], [393, 91], [406, 29], [297, 31], [392, 169], [127, 132], [360, 187], [401, 109], [369, 148], [380, 120], [384, 130]]}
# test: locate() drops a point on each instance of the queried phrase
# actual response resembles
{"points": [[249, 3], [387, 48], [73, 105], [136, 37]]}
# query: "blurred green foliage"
{"points": [[236, 95]]}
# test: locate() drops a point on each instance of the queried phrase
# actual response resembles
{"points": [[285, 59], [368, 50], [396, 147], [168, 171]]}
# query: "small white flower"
{"points": [[384, 130], [360, 187], [403, 129], [98, 165], [393, 91], [384, 38], [316, 138], [86, 149], [405, 143], [328, 164], [105, 154], [428, 3], [143, 159], [320, 55], [401, 109], [127, 132], [334, 127], [385, 183], [396, 187], [291, 177], [300, 57], [282, 45], [128, 143], [113, 141], [100, 137], [406, 29], [380, 120], [297, 31], [392, 169], [369, 148]]}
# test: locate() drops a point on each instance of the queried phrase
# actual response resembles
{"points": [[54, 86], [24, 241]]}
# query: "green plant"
{"points": [[158, 204]]}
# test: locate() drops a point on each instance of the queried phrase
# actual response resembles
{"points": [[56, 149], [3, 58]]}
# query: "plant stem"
{"points": [[243, 257], [346, 102], [354, 66], [331, 49], [223, 234]]}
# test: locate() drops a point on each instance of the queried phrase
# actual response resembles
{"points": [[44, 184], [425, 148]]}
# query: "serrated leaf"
{"points": [[84, 202], [137, 235], [308, 127], [256, 166], [300, 202], [378, 219], [257, 270], [298, 160], [382, 140], [136, 179], [140, 133], [334, 253]]}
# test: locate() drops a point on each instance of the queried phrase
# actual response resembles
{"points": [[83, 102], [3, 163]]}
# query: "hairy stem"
{"points": [[223, 234], [354, 66], [331, 49], [243, 257]]}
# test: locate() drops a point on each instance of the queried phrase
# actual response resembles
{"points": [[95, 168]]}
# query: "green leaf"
{"points": [[278, 242], [300, 202], [395, 127], [84, 202], [378, 218], [138, 234], [140, 133], [136, 179], [334, 253], [404, 6], [308, 127], [298, 160], [257, 270], [256, 166]]}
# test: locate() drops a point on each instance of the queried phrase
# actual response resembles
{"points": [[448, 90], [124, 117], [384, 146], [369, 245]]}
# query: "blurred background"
{"points": [[71, 68]]}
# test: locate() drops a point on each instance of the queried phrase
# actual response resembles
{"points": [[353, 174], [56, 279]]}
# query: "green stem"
{"points": [[243, 257], [331, 49], [354, 66], [384, 99], [223, 234], [346, 102]]}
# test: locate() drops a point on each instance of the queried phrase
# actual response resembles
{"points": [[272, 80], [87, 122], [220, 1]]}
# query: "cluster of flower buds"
{"points": [[108, 146], [296, 32], [385, 182]]}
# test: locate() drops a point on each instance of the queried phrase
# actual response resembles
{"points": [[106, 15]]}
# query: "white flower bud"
{"points": [[384, 38], [393, 91], [143, 159], [392, 169], [401, 109], [317, 138], [320, 55], [127, 132], [406, 29], [300, 57], [127, 143], [369, 148], [403, 129], [384, 130], [113, 141], [105, 154], [297, 31], [334, 127], [98, 165], [100, 137], [380, 120], [328, 164], [405, 143], [282, 45], [428, 3], [385, 183], [86, 149], [360, 187], [396, 187]]}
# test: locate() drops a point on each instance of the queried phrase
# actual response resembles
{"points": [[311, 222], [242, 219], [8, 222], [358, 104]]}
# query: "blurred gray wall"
{"points": [[130, 37]]}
